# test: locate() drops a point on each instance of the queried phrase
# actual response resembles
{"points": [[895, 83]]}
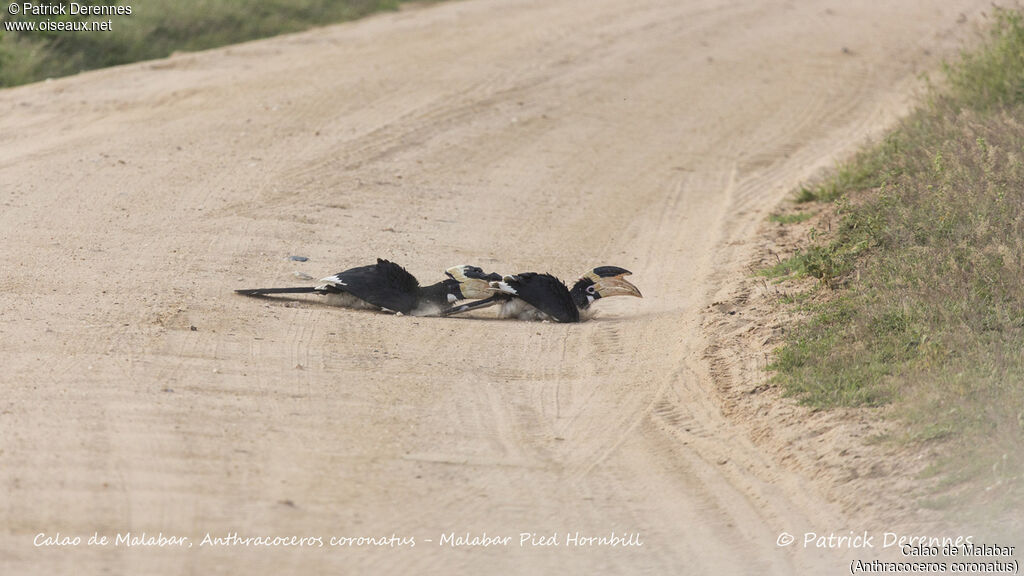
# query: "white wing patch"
{"points": [[333, 280], [457, 273], [503, 287]]}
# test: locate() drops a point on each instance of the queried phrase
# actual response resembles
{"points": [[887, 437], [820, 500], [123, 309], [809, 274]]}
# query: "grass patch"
{"points": [[790, 218], [868, 169], [156, 29], [928, 259]]}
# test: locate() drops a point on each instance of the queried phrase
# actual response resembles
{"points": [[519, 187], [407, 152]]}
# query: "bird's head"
{"points": [[602, 282], [472, 282]]}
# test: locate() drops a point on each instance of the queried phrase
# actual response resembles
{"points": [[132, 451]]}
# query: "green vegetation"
{"points": [[156, 29], [921, 304], [867, 170]]}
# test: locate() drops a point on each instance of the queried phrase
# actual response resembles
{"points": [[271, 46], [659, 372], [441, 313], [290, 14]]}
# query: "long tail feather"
{"points": [[472, 305], [262, 291]]}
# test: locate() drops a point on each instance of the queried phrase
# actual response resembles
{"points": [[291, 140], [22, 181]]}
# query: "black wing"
{"points": [[383, 284], [546, 293]]}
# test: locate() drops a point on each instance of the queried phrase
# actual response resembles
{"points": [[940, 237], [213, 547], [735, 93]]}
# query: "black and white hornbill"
{"points": [[533, 296], [387, 286]]}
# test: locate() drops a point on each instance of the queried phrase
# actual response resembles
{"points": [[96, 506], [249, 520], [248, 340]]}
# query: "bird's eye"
{"points": [[590, 289]]}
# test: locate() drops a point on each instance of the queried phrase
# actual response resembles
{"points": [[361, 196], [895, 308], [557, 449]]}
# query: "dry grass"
{"points": [[156, 29], [925, 276]]}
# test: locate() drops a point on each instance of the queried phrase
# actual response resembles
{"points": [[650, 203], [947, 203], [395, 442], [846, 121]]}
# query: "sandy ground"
{"points": [[141, 395]]}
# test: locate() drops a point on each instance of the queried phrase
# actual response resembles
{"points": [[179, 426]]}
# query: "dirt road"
{"points": [[141, 395]]}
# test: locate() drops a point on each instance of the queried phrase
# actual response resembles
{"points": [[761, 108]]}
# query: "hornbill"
{"points": [[387, 286], [533, 296]]}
